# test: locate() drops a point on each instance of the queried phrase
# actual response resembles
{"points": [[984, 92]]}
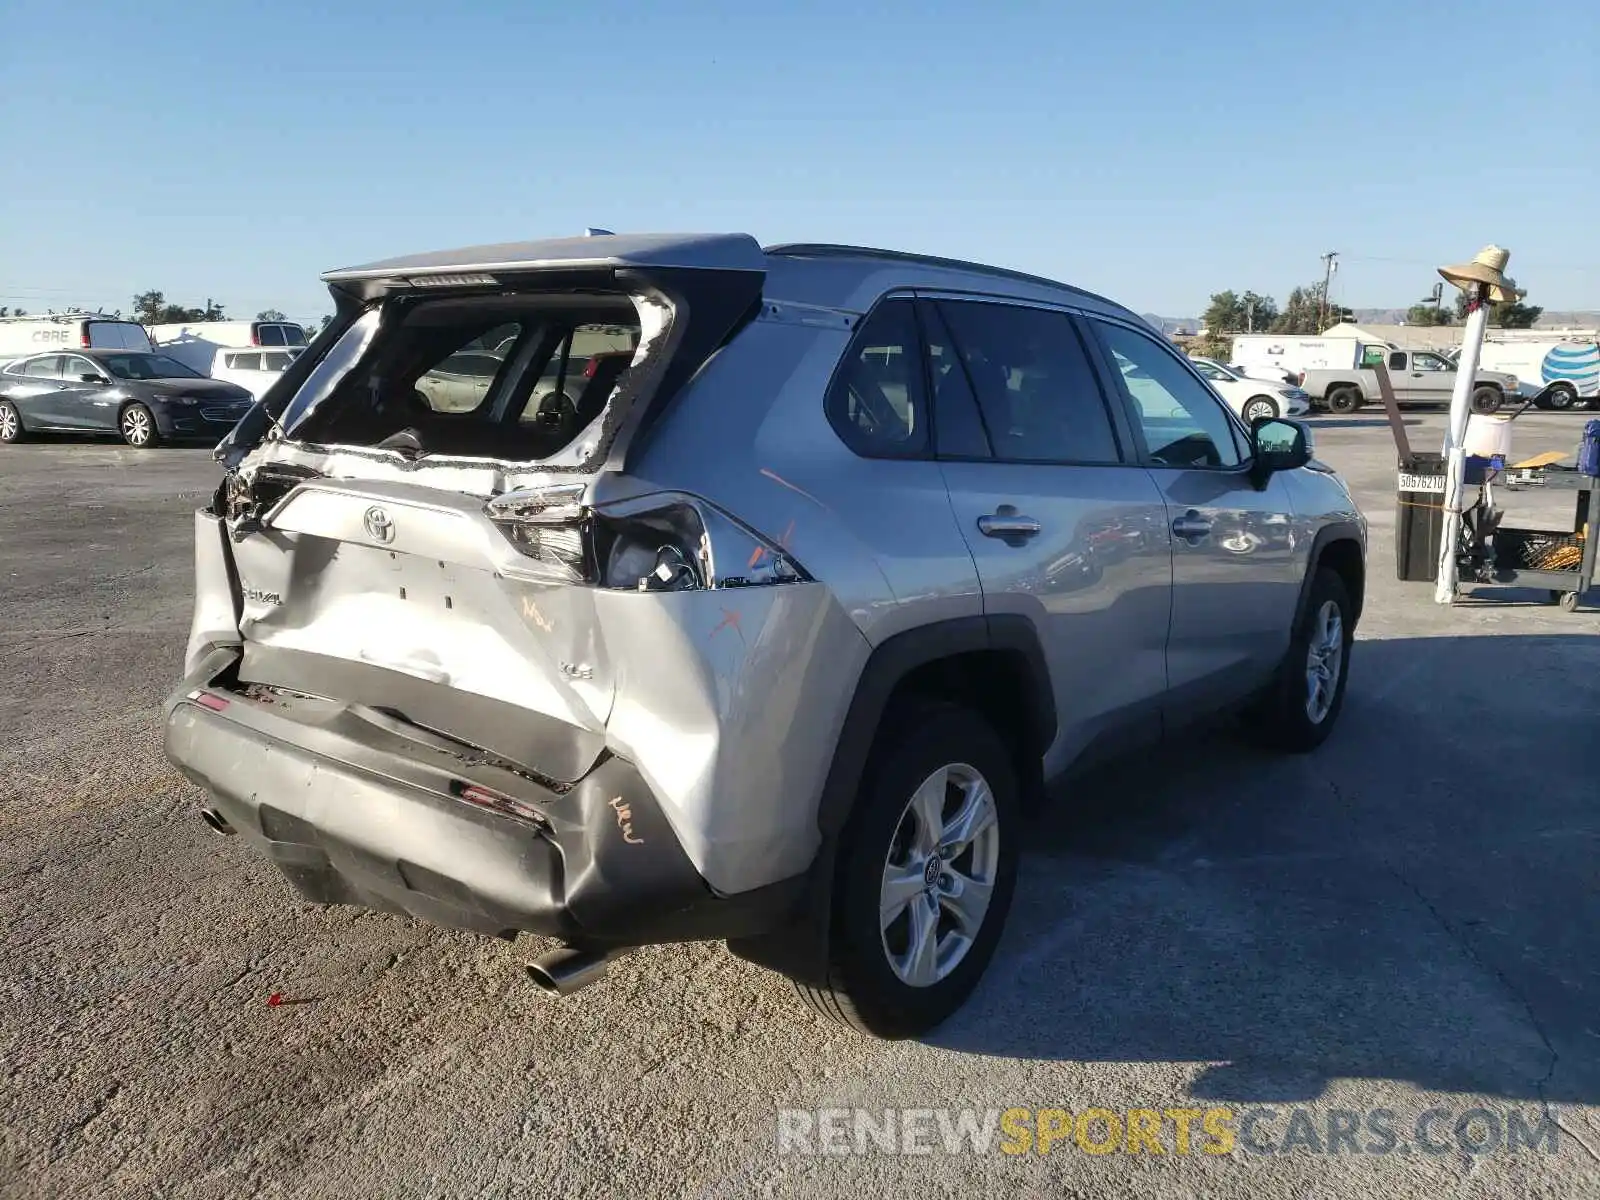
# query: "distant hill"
{"points": [[1550, 319], [1173, 324]]}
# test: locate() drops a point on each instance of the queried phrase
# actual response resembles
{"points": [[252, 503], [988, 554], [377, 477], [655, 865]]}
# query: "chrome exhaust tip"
{"points": [[564, 971], [217, 822]]}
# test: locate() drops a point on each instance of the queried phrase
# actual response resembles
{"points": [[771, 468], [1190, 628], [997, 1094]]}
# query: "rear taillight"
{"points": [[663, 543], [1300, 379], [83, 337]]}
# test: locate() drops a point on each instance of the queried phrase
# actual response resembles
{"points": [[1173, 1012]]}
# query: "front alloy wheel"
{"points": [[1259, 408], [1324, 660], [940, 874], [138, 427]]}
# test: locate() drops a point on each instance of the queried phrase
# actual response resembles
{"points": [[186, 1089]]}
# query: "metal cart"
{"points": [[1562, 561]]}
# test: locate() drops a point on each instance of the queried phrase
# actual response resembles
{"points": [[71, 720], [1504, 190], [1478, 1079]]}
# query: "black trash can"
{"points": [[1419, 517]]}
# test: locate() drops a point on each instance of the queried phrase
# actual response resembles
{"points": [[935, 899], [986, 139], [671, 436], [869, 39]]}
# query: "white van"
{"points": [[1565, 371], [195, 343], [255, 368], [1298, 353], [21, 336]]}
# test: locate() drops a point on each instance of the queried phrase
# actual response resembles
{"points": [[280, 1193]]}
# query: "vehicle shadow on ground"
{"points": [[1417, 900]]}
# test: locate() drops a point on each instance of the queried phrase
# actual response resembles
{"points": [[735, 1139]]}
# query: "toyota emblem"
{"points": [[379, 526]]}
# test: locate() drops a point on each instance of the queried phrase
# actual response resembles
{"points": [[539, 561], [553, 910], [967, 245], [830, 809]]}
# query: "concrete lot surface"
{"points": [[1408, 919]]}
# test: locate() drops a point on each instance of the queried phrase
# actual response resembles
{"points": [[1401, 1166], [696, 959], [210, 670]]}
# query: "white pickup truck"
{"points": [[1417, 377]]}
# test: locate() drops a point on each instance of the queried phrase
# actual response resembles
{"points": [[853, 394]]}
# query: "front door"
{"points": [[1432, 379], [1235, 571], [84, 402], [1066, 529]]}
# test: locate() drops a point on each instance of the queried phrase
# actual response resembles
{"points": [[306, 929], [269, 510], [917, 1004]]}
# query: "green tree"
{"points": [[1424, 313], [1230, 312], [324, 321], [269, 314], [151, 308], [1304, 313]]}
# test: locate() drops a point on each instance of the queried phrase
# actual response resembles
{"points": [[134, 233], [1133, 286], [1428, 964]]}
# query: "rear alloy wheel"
{"points": [[1344, 400], [138, 427], [11, 429], [1259, 408], [1299, 709], [1559, 397], [1486, 400], [924, 876]]}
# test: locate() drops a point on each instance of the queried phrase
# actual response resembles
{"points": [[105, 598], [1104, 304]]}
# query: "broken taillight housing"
{"points": [[669, 542]]}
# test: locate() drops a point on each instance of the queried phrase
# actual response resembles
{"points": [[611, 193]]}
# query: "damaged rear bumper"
{"points": [[356, 807]]}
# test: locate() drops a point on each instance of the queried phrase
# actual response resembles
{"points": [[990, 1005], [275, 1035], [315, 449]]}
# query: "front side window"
{"points": [[1212, 371], [876, 402], [1428, 362], [1039, 396], [276, 360], [1182, 422], [76, 368], [245, 362]]}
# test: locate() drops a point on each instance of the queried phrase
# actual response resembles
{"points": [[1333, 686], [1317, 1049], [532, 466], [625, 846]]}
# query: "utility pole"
{"points": [[1249, 316], [1329, 266]]}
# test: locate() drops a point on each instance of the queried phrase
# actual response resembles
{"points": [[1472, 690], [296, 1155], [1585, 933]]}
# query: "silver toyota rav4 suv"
{"points": [[758, 596]]}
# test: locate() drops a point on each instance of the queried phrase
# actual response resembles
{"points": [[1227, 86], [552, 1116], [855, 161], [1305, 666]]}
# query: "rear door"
{"points": [[1235, 570], [37, 394], [1066, 528]]}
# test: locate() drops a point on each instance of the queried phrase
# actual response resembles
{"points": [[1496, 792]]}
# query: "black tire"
{"points": [[137, 425], [11, 428], [1559, 397], [1281, 716], [1344, 400], [862, 991], [1486, 400], [1569, 601], [1259, 408]]}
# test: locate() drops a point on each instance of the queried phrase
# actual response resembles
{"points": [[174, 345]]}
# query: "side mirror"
{"points": [[91, 377], [1278, 445]]}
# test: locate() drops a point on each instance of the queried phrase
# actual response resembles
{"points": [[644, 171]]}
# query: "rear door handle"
{"points": [[1192, 526], [1008, 524]]}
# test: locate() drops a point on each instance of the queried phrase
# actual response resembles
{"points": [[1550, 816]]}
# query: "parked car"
{"points": [[253, 370], [1416, 377], [22, 336], [1252, 399], [195, 343], [754, 648], [146, 398]]}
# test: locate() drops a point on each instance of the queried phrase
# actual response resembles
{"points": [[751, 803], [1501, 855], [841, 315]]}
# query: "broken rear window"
{"points": [[512, 377]]}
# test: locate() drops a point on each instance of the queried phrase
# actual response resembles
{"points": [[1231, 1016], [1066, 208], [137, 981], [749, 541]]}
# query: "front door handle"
{"points": [[1008, 524], [1192, 526]]}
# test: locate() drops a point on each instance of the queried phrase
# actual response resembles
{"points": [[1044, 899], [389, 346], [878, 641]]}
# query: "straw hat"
{"points": [[1488, 268]]}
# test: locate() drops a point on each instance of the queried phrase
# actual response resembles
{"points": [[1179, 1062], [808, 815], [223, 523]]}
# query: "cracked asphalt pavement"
{"points": [[1405, 920]]}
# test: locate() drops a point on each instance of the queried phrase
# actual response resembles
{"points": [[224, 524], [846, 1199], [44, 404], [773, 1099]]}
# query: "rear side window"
{"points": [[48, 367], [876, 403], [294, 335], [276, 360], [245, 362], [1038, 394]]}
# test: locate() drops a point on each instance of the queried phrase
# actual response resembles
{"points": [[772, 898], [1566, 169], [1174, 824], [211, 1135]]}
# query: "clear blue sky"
{"points": [[1154, 151]]}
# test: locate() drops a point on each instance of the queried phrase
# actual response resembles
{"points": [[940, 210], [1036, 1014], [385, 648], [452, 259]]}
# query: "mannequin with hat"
{"points": [[1485, 282]]}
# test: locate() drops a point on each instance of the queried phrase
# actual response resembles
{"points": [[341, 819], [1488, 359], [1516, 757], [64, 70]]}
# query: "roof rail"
{"points": [[76, 314], [832, 250]]}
